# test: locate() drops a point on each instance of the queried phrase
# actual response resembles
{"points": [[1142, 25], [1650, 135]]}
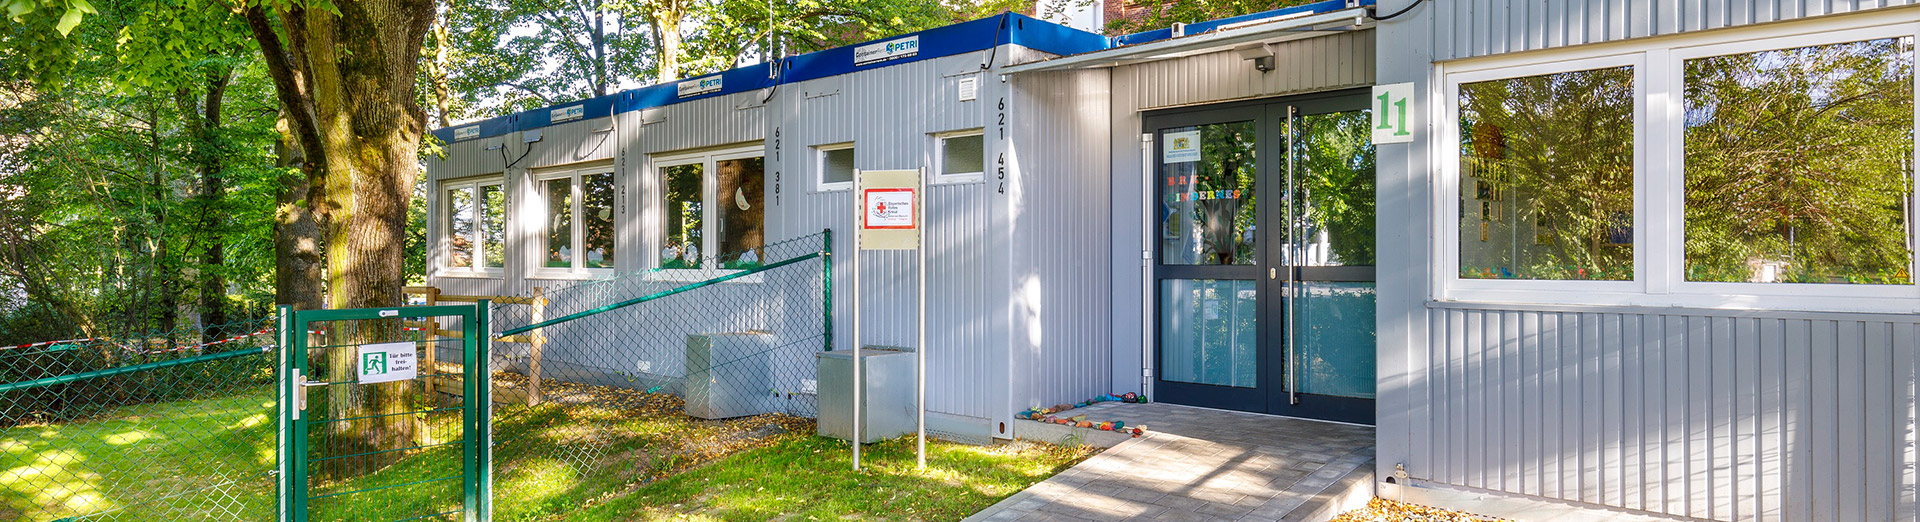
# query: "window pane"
{"points": [[460, 227], [742, 226], [1207, 332], [1333, 170], [596, 202], [560, 223], [1546, 176], [962, 155], [1798, 165], [1208, 207], [836, 166], [682, 236], [1334, 328], [493, 223]]}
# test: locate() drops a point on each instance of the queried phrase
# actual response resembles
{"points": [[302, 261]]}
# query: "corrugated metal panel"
{"points": [[1062, 336], [569, 143], [1314, 64], [890, 114], [1693, 413], [1472, 28]]}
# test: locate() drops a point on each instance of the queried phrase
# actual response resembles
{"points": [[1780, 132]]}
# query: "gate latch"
{"points": [[300, 385]]}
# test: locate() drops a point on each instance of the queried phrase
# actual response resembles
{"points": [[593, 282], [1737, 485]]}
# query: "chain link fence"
{"points": [[167, 426], [721, 356]]}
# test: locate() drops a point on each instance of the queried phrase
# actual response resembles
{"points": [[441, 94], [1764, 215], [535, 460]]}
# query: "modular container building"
{"points": [[1646, 257]]}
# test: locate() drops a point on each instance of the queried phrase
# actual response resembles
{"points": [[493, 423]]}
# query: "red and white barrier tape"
{"points": [[47, 343]]}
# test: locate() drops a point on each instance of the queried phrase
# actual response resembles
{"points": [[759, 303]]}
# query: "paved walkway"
{"points": [[1200, 464]]}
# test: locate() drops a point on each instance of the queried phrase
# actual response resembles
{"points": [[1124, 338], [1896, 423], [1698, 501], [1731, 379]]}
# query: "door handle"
{"points": [[1273, 273], [300, 385]]}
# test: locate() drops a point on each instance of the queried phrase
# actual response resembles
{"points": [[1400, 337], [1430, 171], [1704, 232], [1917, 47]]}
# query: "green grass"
{"points": [[183, 460], [628, 456], [805, 477]]}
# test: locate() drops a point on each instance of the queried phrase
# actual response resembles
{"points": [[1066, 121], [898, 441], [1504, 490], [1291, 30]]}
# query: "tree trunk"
{"points": [[667, 15], [204, 126], [298, 268], [599, 37], [349, 83]]}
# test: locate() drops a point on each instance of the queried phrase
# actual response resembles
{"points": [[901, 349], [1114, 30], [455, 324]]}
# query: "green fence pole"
{"points": [[826, 272], [483, 400], [284, 464]]}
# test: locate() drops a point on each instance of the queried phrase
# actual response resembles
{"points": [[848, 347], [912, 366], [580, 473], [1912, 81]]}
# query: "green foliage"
{"points": [[1555, 154], [1160, 14], [1801, 159]]}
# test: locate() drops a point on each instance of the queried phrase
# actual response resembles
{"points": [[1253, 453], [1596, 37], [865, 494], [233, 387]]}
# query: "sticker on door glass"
{"points": [[387, 362], [1182, 147]]}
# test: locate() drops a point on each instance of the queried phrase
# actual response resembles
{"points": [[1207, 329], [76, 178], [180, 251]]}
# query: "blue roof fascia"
{"points": [[1052, 38], [596, 107], [1325, 6], [486, 128], [740, 79], [963, 37]]}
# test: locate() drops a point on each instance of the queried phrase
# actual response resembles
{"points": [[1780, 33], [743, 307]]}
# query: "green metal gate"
{"points": [[365, 439]]}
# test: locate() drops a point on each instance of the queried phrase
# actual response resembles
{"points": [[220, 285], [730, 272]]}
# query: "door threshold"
{"points": [[1272, 415]]}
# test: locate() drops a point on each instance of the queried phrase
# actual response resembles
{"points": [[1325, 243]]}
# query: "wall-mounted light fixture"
{"points": [[1260, 53]]}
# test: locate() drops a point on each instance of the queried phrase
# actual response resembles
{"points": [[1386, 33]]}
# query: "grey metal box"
{"points": [[889, 395], [728, 375]]}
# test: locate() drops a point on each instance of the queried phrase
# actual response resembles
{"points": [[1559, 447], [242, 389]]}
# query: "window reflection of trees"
{"points": [[1799, 164], [1334, 172], [1210, 205], [559, 223], [597, 207], [460, 228], [683, 219], [742, 225], [493, 215], [1546, 176]]}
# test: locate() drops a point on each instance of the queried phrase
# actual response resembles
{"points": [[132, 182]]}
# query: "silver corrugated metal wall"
{"points": [[1468, 28], [1692, 413], [1715, 415], [1059, 185]]}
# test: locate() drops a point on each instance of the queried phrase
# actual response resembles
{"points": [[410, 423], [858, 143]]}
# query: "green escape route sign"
{"points": [[387, 362]]}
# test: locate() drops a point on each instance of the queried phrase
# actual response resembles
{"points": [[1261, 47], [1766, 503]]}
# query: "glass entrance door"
{"points": [[1267, 308]]}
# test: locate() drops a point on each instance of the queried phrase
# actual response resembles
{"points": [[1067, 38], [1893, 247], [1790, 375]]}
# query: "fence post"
{"points": [[539, 341], [826, 269], [433, 347]]}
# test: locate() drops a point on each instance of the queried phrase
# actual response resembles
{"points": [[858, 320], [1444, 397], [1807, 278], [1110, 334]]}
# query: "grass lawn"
{"points": [[806, 477], [606, 455]]}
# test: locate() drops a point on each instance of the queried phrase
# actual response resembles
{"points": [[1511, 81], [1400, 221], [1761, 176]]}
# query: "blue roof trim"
{"points": [[597, 107], [1041, 35], [750, 78], [964, 37]]}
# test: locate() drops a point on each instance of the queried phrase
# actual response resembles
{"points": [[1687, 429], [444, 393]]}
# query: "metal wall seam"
{"points": [[1473, 28]]}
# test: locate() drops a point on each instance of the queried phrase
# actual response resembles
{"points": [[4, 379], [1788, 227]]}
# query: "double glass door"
{"points": [[1265, 277]]}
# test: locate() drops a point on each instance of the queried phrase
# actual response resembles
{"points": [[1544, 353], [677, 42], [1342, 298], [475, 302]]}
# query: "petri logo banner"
{"points": [[888, 50], [699, 86], [566, 114], [466, 133]]}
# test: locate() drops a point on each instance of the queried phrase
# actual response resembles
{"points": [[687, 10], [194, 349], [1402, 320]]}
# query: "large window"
{"points": [[712, 212], [1546, 176], [1766, 167], [474, 227], [578, 235], [1799, 164]]}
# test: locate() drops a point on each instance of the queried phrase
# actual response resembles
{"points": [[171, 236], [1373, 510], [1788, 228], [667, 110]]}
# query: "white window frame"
{"points": [[820, 182], [1659, 163], [444, 242], [940, 176], [709, 211], [574, 175]]}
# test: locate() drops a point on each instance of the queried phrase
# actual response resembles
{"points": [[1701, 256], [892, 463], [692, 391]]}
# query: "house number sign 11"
{"points": [[1393, 113]]}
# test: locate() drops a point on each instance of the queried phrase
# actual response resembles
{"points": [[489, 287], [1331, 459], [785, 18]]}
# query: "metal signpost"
{"points": [[889, 208]]}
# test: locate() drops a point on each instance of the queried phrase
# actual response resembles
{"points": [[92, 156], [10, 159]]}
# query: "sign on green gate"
{"points": [[387, 362]]}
